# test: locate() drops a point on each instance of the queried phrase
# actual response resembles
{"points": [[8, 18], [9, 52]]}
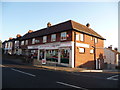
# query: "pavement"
{"points": [[59, 67]]}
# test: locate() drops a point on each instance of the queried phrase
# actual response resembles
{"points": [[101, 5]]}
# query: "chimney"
{"points": [[18, 35], [10, 38], [116, 49], [30, 31], [110, 47], [48, 24], [88, 25]]}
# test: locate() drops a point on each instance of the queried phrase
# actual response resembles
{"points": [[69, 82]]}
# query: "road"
{"points": [[22, 77]]}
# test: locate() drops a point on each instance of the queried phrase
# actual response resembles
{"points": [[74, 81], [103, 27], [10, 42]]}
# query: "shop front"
{"points": [[60, 52]]}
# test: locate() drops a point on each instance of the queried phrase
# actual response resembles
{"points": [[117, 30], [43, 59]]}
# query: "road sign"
{"points": [[43, 61]]}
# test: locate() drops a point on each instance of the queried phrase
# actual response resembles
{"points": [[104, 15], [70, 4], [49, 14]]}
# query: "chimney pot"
{"points": [[116, 49], [88, 25], [30, 31], [18, 35], [48, 24]]}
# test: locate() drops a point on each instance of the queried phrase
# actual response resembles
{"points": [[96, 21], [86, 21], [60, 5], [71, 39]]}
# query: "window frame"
{"points": [[82, 37], [33, 41], [44, 39], [63, 37], [80, 51], [53, 38]]}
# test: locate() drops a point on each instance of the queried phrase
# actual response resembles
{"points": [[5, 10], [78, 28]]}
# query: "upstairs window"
{"points": [[91, 38], [63, 36], [37, 41], [96, 40], [82, 50], [77, 37], [33, 41], [44, 39], [81, 37], [22, 42], [53, 37], [26, 42]]}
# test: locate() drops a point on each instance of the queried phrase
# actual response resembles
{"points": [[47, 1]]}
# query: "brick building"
{"points": [[68, 43]]}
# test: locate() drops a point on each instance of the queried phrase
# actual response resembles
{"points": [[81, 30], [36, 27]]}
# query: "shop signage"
{"points": [[43, 61]]}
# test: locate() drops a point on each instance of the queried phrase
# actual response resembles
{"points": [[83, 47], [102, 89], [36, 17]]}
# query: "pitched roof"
{"points": [[64, 26], [113, 50]]}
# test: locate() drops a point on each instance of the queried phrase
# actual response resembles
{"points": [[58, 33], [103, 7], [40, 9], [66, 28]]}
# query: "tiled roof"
{"points": [[64, 26]]}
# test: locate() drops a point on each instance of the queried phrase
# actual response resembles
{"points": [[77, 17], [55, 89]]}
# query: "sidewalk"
{"points": [[59, 67]]}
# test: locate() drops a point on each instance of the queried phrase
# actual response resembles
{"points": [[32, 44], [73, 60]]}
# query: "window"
{"points": [[77, 36], [33, 41], [44, 39], [81, 37], [91, 38], [37, 41], [96, 40], [91, 51], [63, 36], [82, 50], [26, 42], [53, 37], [22, 42]]}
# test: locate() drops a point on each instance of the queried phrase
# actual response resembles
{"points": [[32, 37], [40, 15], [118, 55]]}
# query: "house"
{"points": [[112, 58], [68, 43]]}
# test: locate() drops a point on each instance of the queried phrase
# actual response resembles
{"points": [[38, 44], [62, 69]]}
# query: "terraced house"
{"points": [[68, 43]]}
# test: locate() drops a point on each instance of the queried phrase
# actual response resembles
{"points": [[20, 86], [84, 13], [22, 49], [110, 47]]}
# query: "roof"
{"points": [[113, 50], [64, 26]]}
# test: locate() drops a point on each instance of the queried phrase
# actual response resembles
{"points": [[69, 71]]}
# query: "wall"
{"points": [[87, 59]]}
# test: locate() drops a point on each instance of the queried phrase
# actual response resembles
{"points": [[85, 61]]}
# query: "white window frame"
{"points": [[81, 50], [37, 41], [77, 37], [22, 42], [44, 39], [91, 51], [81, 37], [26, 42], [91, 38], [64, 36], [33, 41], [96, 40], [53, 37]]}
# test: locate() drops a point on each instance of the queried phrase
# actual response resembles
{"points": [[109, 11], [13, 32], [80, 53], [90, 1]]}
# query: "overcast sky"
{"points": [[19, 17]]}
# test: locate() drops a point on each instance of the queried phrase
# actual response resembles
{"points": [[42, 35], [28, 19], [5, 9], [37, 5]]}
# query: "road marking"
{"points": [[71, 85], [23, 72], [112, 77]]}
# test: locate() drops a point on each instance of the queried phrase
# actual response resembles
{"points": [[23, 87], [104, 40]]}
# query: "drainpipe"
{"points": [[94, 55]]}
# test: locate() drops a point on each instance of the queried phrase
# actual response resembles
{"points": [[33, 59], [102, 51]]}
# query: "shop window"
{"points": [[26, 42], [44, 39], [81, 37], [33, 41], [77, 37], [52, 55], [53, 37], [91, 51], [63, 36], [82, 50], [22, 42]]}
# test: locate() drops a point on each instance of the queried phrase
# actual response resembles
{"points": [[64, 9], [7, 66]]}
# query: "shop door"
{"points": [[41, 54]]}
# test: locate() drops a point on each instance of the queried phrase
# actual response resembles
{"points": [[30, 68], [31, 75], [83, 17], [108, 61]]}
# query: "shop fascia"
{"points": [[57, 45]]}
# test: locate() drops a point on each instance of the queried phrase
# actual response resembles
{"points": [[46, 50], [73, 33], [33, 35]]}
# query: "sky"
{"points": [[19, 17]]}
